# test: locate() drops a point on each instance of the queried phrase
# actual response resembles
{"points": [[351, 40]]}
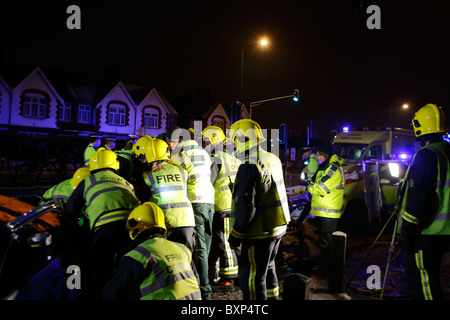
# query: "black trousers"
{"points": [[257, 273], [220, 248], [109, 244], [423, 262], [184, 235]]}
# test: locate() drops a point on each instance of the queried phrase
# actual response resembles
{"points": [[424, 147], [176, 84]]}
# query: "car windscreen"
{"points": [[351, 152]]}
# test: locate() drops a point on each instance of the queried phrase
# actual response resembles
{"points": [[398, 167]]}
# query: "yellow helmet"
{"points": [[102, 159], [429, 119], [246, 129], [79, 176], [144, 217], [156, 149], [138, 147], [213, 134]]}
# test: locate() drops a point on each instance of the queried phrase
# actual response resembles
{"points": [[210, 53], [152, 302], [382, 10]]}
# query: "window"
{"points": [[375, 152], [65, 111], [84, 113], [151, 118], [34, 106], [117, 115]]}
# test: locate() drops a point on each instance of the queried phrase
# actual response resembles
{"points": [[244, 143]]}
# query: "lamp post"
{"points": [[263, 42]]}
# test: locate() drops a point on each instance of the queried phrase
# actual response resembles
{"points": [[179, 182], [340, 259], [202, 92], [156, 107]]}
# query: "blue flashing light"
{"points": [[403, 156], [447, 137], [345, 129]]}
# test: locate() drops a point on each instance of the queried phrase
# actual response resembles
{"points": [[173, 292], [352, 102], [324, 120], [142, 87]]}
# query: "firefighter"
{"points": [[157, 268], [261, 210], [94, 143], [64, 189], [425, 205], [223, 173], [327, 203], [313, 162], [106, 199], [166, 186], [188, 155]]}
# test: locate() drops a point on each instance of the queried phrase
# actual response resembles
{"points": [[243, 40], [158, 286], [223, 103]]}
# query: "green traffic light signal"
{"points": [[296, 95]]}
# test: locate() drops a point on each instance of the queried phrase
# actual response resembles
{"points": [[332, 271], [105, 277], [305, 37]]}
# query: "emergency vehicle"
{"points": [[375, 163]]}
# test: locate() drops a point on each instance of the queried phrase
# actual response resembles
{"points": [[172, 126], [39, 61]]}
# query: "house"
{"points": [[35, 103], [116, 112], [154, 114], [64, 108]]}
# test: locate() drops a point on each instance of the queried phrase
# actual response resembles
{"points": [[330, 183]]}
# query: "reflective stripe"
{"points": [[324, 187], [273, 293], [199, 198], [224, 188], [423, 276], [252, 273], [115, 215], [226, 174], [411, 219], [175, 205], [60, 196], [230, 269], [326, 210], [160, 280], [170, 188], [199, 175], [443, 216], [99, 192]]}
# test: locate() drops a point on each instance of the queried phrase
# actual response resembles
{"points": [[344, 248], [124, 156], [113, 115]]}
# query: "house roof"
{"points": [[139, 93], [44, 77]]}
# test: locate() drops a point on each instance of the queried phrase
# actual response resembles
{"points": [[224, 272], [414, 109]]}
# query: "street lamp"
{"points": [[405, 106], [263, 42]]}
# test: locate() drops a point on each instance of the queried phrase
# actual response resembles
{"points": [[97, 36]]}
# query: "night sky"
{"points": [[346, 73]]}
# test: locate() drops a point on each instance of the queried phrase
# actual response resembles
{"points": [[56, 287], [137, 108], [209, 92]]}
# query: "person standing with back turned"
{"points": [[261, 209], [425, 205]]}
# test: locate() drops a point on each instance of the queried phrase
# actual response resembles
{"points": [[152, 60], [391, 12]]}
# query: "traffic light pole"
{"points": [[257, 103]]}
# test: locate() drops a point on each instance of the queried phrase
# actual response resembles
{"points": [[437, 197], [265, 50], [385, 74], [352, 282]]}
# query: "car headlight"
{"points": [[394, 169]]}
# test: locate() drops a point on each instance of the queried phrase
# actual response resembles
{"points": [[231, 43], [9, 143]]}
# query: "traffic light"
{"points": [[296, 96]]}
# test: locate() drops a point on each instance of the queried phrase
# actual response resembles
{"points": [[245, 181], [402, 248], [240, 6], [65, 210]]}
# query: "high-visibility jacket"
{"points": [[129, 156], [272, 211], [197, 162], [170, 276], [88, 152], [62, 190], [225, 179], [328, 190], [440, 224], [313, 165], [169, 192], [109, 198]]}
